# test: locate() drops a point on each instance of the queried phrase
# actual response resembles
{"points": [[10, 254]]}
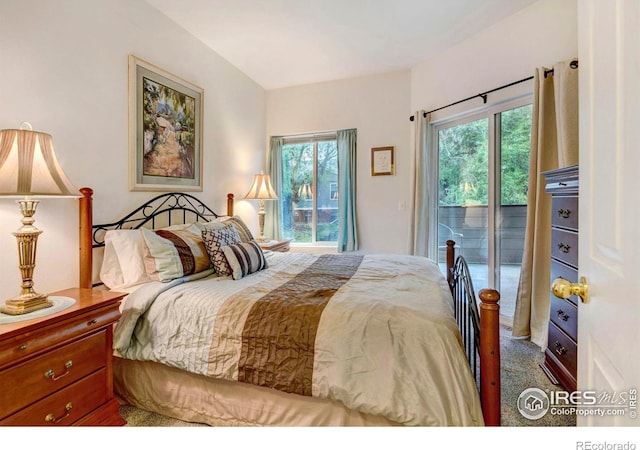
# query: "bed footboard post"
{"points": [[451, 257], [86, 248], [490, 355], [230, 204]]}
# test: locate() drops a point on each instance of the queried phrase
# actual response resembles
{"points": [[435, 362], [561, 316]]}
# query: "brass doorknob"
{"points": [[562, 288]]}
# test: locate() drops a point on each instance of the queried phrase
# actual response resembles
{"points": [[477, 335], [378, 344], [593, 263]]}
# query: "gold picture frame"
{"points": [[165, 130], [383, 161]]}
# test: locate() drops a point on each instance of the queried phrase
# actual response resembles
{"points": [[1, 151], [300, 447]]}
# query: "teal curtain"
{"points": [[273, 208], [348, 232]]}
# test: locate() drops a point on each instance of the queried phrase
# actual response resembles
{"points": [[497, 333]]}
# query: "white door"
{"points": [[608, 338]]}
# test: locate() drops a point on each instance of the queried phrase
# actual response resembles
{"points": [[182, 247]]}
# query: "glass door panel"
{"points": [[485, 211], [463, 194], [511, 220]]}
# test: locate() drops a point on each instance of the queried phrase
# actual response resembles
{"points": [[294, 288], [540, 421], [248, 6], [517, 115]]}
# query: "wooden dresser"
{"points": [[561, 354], [57, 369]]}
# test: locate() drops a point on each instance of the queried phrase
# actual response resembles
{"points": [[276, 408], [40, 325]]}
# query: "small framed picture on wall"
{"points": [[383, 161]]}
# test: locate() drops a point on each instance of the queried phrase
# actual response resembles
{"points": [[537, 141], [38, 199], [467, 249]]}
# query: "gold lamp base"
{"points": [[19, 305], [27, 236]]}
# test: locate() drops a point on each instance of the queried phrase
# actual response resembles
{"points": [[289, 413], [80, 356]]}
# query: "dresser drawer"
{"points": [[65, 406], [565, 315], [50, 372], [564, 212], [564, 246], [18, 348], [563, 348]]}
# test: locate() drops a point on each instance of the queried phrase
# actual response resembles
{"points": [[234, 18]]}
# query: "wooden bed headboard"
{"points": [[160, 211]]}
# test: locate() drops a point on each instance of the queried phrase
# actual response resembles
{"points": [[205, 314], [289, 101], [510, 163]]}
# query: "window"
{"points": [[483, 173], [309, 197]]}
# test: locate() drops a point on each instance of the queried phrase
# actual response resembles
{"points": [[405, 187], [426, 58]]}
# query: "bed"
{"points": [[288, 339]]}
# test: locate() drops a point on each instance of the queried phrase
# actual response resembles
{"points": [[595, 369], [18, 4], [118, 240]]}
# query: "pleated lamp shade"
{"points": [[29, 167], [261, 188]]}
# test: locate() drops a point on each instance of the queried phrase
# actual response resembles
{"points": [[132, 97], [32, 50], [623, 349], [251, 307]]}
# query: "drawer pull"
{"points": [[23, 347], [562, 316], [560, 350], [51, 418], [92, 322], [564, 213], [51, 374], [564, 248]]}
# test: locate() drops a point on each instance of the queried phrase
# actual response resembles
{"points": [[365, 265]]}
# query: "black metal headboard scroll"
{"points": [[466, 312], [161, 211], [164, 210]]}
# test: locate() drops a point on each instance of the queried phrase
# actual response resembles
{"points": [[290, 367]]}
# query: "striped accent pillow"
{"points": [[172, 254], [244, 258]]}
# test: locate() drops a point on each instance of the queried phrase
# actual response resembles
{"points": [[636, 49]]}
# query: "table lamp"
{"points": [[261, 190], [29, 168]]}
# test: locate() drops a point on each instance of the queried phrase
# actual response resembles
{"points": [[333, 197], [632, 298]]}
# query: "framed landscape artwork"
{"points": [[165, 130]]}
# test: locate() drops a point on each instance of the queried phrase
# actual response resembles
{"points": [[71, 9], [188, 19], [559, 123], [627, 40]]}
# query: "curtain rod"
{"points": [[483, 96], [573, 65]]}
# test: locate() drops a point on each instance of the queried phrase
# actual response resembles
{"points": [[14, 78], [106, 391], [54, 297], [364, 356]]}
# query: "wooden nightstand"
{"points": [[57, 369], [276, 246]]}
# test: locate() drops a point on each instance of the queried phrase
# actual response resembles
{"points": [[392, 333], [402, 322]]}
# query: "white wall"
{"points": [[377, 107], [64, 69], [539, 35], [380, 106]]}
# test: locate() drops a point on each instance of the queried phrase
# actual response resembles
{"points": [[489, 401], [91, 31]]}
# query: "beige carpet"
{"points": [[520, 369], [520, 361]]}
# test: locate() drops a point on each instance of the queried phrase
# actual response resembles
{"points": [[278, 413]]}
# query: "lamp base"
{"points": [[25, 303], [27, 236]]}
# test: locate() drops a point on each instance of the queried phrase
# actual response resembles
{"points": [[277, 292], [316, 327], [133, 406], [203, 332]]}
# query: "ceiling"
{"points": [[282, 43]]}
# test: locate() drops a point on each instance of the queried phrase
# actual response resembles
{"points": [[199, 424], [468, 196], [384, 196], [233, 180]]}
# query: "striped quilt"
{"points": [[375, 332]]}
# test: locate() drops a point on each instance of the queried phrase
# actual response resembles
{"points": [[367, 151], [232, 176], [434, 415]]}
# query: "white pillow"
{"points": [[123, 260]]}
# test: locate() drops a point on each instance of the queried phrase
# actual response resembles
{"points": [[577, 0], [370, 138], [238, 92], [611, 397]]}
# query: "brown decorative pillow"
{"points": [[244, 258], [173, 254], [214, 239]]}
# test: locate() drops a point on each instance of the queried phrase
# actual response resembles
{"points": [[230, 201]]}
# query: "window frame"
{"points": [[493, 114], [313, 139]]}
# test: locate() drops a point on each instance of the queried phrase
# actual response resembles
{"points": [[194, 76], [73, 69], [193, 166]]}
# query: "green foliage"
{"points": [[516, 146], [463, 164], [298, 171], [463, 160]]}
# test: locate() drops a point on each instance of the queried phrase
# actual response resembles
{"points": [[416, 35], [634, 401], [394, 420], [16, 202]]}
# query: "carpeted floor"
{"points": [[520, 361]]}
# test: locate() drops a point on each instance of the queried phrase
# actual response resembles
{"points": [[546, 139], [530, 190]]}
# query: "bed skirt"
{"points": [[199, 399]]}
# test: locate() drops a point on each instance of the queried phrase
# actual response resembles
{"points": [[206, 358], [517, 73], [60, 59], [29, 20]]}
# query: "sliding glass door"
{"points": [[483, 166]]}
